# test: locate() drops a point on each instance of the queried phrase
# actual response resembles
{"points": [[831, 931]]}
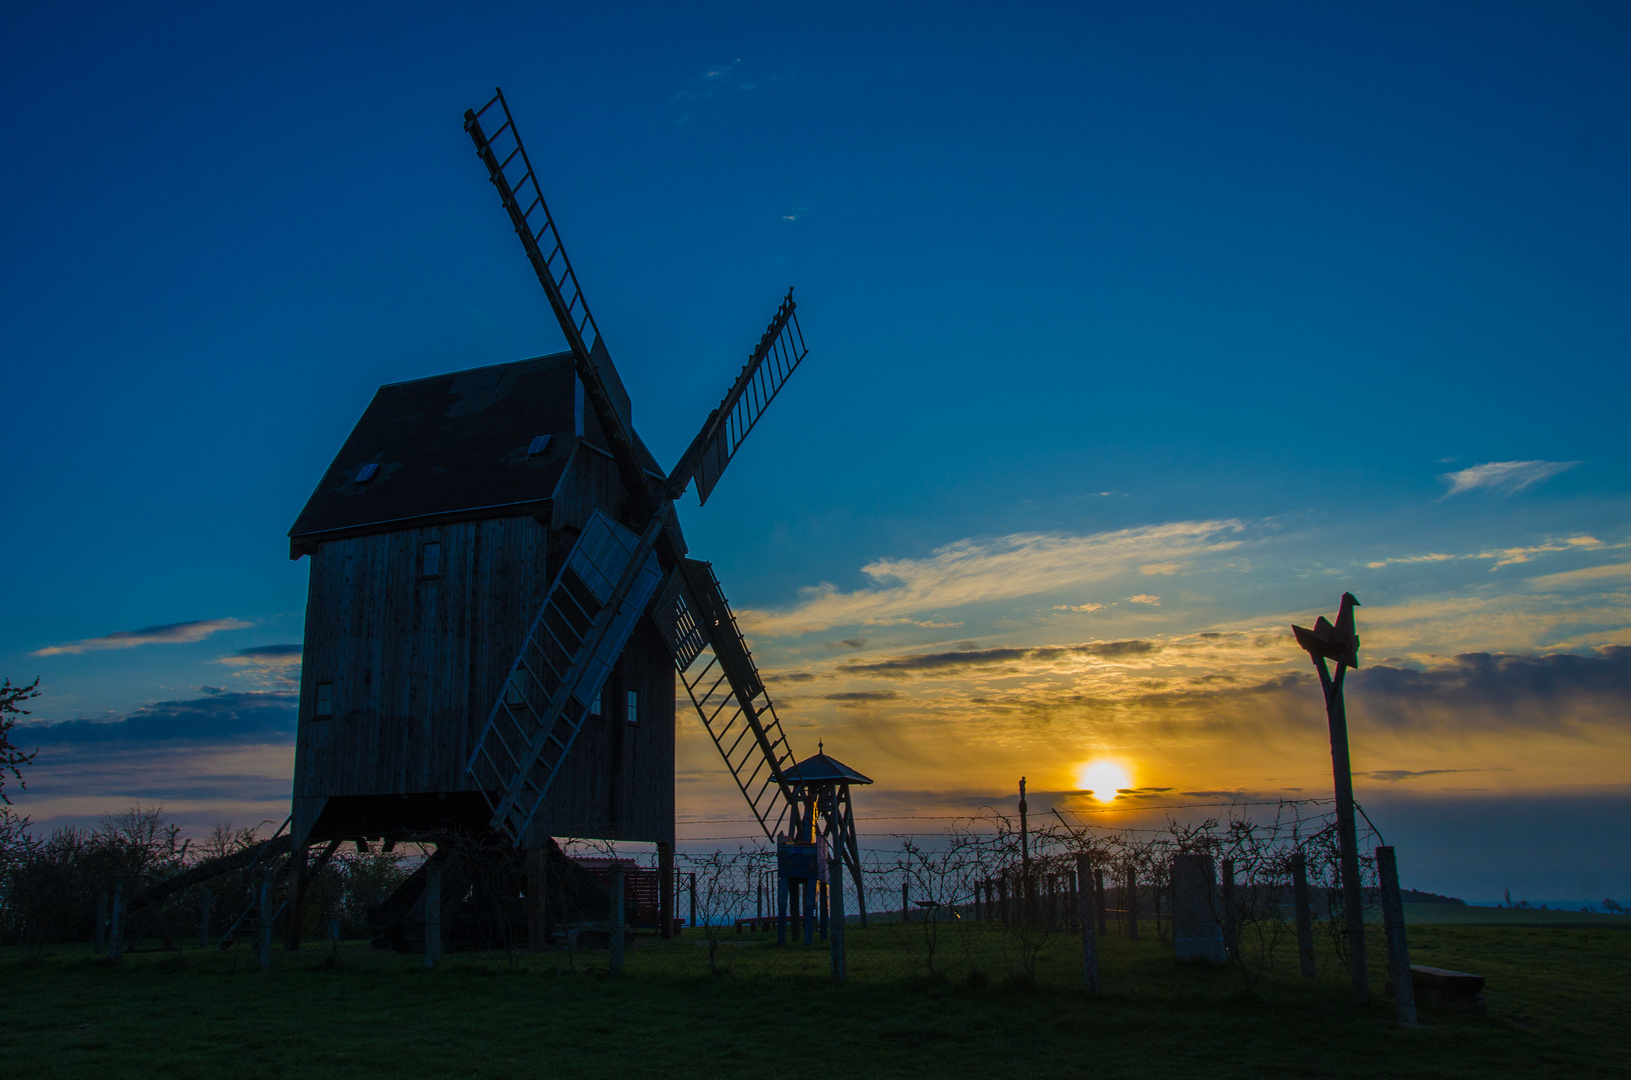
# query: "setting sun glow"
{"points": [[1103, 778]]}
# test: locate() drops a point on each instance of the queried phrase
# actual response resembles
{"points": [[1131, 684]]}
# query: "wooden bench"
{"points": [[758, 922], [1459, 985]]}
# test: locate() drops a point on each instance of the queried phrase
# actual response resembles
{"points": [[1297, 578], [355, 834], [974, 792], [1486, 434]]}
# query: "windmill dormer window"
{"points": [[323, 705], [430, 560], [538, 446], [366, 473], [634, 706]]}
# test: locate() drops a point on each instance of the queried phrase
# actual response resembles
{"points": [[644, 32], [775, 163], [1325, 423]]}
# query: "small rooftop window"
{"points": [[366, 473], [430, 560], [538, 446]]}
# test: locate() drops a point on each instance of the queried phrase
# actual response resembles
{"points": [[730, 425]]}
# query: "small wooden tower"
{"points": [[821, 842]]}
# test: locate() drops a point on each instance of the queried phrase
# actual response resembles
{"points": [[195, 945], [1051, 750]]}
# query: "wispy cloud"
{"points": [[919, 591], [1503, 476], [1501, 556], [1145, 598], [1590, 575], [181, 633]]}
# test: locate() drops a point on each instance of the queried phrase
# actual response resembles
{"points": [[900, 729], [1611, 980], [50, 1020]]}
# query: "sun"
{"points": [[1103, 778]]}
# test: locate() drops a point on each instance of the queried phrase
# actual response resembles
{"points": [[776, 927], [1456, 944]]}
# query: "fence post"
{"points": [[295, 898], [823, 903], [665, 887], [99, 938], [905, 901], [1305, 914], [1231, 944], [204, 919], [263, 936], [1002, 898], [835, 942], [782, 889], [1098, 901], [1398, 949], [116, 921], [1090, 947], [614, 930], [433, 911], [1131, 902], [691, 888]]}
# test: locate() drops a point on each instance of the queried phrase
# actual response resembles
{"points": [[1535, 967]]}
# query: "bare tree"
{"points": [[13, 759]]}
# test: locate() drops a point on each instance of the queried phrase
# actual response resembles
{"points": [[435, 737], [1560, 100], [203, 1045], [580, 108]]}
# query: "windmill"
{"points": [[494, 552]]}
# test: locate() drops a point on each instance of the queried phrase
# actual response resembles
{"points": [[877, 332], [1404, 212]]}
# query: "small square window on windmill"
{"points": [[538, 446], [366, 473]]}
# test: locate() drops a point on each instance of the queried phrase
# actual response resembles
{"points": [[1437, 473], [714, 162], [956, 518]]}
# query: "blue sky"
{"points": [[1127, 324]]}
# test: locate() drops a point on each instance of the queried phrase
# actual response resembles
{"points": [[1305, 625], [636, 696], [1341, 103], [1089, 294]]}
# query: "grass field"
{"points": [[1556, 1006]]}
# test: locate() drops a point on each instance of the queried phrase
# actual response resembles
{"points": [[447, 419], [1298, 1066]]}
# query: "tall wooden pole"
{"points": [[1353, 895]]}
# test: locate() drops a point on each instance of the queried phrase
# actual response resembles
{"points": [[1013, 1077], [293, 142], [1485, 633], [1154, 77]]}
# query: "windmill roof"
{"points": [[823, 768], [455, 444]]}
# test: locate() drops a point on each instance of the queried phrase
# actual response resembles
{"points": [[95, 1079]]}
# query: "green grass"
{"points": [[1556, 1006]]}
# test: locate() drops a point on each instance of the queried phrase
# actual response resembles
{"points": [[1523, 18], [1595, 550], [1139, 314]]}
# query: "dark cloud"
{"points": [[847, 643], [220, 717], [1551, 691], [861, 697], [905, 667], [269, 652], [792, 676], [1393, 776]]}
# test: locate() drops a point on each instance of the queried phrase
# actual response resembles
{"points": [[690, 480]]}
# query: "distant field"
{"points": [[1556, 1007], [1459, 915]]}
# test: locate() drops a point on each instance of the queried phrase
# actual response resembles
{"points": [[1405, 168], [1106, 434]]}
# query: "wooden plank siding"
{"points": [[417, 664]]}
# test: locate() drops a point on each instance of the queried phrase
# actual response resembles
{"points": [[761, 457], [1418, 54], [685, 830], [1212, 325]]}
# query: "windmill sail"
{"points": [[725, 689], [586, 619]]}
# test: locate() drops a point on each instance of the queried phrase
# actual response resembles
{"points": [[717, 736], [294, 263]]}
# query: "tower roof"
{"points": [[456, 445], [823, 769]]}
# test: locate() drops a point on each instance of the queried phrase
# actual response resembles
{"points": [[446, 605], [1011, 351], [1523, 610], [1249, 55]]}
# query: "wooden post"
{"points": [[99, 936], [835, 942], [614, 930], [204, 906], [823, 901], [905, 910], [295, 892], [691, 889], [116, 922], [1098, 901], [1090, 947], [433, 911], [537, 890], [1398, 949], [665, 890], [1002, 898], [1231, 943], [1024, 896], [1305, 915], [263, 936], [1131, 902], [782, 888]]}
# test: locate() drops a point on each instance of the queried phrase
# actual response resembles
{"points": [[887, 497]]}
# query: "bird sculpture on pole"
{"points": [[1340, 643]]}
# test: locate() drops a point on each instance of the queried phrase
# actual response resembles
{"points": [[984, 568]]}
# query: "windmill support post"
{"points": [[1090, 947], [537, 870], [1305, 915], [1398, 949], [614, 935], [433, 911]]}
